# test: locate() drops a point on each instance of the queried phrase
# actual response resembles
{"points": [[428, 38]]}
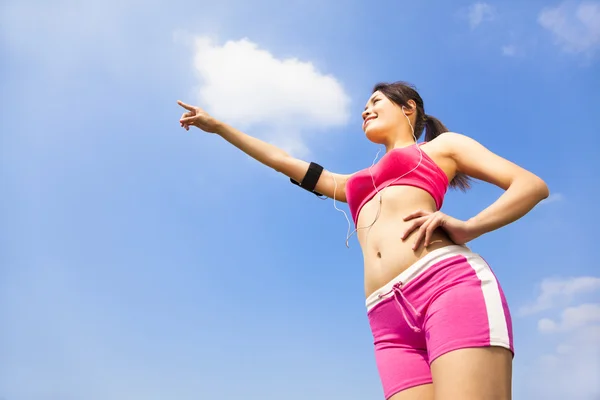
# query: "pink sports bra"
{"points": [[428, 176]]}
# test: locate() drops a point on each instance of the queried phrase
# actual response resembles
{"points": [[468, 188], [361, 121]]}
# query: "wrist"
{"points": [[475, 228], [220, 128]]}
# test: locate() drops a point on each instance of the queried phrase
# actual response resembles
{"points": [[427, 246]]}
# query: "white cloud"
{"points": [[570, 366], [546, 325], [480, 12], [572, 318], [247, 86], [554, 291], [553, 198], [576, 28], [570, 371]]}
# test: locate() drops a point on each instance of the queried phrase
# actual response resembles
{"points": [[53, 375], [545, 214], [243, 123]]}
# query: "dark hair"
{"points": [[400, 93]]}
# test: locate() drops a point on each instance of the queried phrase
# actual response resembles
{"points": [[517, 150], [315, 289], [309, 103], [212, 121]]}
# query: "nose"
{"points": [[365, 114]]}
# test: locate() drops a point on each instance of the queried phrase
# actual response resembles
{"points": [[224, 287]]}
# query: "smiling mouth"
{"points": [[367, 121]]}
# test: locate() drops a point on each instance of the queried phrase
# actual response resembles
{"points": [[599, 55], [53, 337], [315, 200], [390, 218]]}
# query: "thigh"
{"points": [[421, 392], [400, 352], [402, 369], [483, 373], [469, 336], [468, 312]]}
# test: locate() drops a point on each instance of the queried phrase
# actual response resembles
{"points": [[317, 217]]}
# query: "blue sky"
{"points": [[140, 261]]}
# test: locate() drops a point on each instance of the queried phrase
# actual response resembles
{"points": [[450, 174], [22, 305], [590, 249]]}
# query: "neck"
{"points": [[398, 144], [402, 138]]}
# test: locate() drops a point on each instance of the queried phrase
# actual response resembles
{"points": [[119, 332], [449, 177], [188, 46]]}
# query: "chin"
{"points": [[375, 135]]}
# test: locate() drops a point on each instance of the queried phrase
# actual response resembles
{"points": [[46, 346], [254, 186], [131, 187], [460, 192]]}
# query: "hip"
{"points": [[437, 271], [452, 292]]}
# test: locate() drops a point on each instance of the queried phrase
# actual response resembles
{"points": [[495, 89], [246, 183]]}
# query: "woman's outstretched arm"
{"points": [[328, 184]]}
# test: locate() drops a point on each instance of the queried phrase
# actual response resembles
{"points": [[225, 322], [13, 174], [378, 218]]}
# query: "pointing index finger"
{"points": [[186, 106]]}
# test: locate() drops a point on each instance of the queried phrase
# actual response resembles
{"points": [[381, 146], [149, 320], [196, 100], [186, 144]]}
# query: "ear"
{"points": [[412, 107]]}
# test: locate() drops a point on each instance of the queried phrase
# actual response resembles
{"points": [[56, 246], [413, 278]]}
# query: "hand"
{"points": [[427, 222], [195, 116]]}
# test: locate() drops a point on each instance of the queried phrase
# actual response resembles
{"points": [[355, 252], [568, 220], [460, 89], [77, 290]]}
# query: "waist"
{"points": [[416, 269], [385, 253], [391, 260]]}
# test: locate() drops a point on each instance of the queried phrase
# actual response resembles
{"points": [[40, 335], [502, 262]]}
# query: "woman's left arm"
{"points": [[523, 190]]}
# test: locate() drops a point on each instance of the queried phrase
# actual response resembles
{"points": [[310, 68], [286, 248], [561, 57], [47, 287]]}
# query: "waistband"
{"points": [[415, 270]]}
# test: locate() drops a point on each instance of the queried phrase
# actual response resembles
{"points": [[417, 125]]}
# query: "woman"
{"points": [[440, 322]]}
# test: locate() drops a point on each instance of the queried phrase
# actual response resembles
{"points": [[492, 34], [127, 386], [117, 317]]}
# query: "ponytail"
{"points": [[434, 128]]}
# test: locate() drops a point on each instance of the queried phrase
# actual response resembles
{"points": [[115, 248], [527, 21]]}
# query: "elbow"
{"points": [[532, 186], [545, 191], [539, 187]]}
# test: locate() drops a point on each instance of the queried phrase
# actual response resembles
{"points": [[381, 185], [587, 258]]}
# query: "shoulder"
{"points": [[451, 138], [452, 143]]}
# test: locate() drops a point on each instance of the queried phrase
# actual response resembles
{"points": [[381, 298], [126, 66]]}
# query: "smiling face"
{"points": [[382, 118]]}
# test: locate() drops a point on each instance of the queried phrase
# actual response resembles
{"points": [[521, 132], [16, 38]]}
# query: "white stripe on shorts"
{"points": [[493, 301]]}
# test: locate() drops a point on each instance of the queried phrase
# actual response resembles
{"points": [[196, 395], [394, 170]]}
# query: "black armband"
{"points": [[309, 182]]}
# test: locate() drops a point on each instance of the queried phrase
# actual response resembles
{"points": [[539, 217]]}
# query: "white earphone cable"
{"points": [[378, 191]]}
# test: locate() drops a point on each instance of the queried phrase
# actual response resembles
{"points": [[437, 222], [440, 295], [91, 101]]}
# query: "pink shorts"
{"points": [[448, 300]]}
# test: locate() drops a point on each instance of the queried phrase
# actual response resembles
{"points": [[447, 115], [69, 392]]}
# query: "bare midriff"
{"points": [[385, 254]]}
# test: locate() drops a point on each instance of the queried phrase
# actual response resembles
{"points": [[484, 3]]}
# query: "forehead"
{"points": [[373, 96]]}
